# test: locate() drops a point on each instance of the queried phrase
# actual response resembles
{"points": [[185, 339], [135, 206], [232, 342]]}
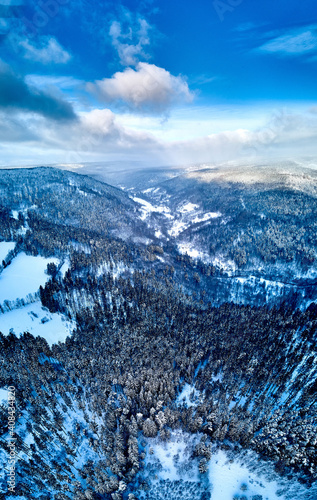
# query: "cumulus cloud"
{"points": [[49, 51], [148, 88], [130, 44], [16, 94], [293, 43]]}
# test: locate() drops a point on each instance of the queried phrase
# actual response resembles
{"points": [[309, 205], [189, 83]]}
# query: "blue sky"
{"points": [[162, 82]]}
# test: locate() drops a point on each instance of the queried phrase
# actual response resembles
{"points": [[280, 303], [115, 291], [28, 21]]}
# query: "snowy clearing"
{"points": [[148, 208], [158, 234], [15, 214], [189, 396], [5, 247], [189, 207], [229, 478], [206, 216], [191, 251], [64, 268], [167, 459], [23, 276], [172, 472], [38, 321], [177, 227]]}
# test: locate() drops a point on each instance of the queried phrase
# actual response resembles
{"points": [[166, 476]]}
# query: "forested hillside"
{"points": [[165, 350]]}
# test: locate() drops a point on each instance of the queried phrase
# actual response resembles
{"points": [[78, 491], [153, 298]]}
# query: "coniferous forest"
{"points": [[193, 316]]}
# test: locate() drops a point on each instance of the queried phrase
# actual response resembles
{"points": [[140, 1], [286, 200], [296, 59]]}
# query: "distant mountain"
{"points": [[257, 221]]}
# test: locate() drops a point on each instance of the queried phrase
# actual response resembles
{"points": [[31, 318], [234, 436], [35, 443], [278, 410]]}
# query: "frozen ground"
{"points": [[38, 321], [23, 276]]}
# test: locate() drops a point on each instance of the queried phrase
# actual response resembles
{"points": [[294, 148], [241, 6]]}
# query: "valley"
{"points": [[161, 335]]}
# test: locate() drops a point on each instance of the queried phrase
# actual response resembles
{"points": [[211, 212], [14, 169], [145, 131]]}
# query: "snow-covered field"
{"points": [[5, 247], [23, 276], [37, 320], [19, 285]]}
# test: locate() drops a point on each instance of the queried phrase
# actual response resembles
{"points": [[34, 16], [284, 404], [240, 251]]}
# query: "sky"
{"points": [[162, 82]]}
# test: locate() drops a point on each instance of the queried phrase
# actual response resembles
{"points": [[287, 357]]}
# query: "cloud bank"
{"points": [[98, 134]]}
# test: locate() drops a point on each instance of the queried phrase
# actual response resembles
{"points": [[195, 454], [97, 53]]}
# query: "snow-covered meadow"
{"points": [[19, 298], [23, 276], [38, 321], [5, 248]]}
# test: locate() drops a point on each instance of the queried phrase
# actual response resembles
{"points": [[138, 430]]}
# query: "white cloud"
{"points": [[131, 43], [50, 51], [148, 88], [293, 43]]}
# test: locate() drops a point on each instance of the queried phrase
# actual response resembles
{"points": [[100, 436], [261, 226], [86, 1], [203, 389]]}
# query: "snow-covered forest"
{"points": [[161, 339]]}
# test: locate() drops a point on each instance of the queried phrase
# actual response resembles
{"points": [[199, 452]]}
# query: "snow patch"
{"points": [[84, 193], [223, 263], [64, 268], [172, 472], [170, 456], [232, 478], [15, 214], [177, 227]]}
